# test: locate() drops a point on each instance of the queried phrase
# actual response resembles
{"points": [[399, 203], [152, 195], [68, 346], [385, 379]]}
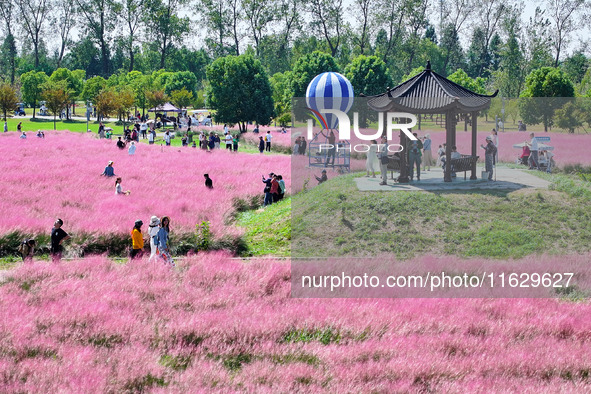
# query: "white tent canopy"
{"points": [[166, 107]]}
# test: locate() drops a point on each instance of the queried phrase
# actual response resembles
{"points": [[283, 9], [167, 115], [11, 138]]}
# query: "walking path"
{"points": [[507, 179]]}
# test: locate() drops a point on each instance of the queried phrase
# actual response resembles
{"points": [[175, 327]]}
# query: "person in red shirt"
{"points": [[275, 188]]}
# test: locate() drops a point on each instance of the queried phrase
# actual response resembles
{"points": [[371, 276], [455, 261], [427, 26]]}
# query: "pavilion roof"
{"points": [[429, 92]]}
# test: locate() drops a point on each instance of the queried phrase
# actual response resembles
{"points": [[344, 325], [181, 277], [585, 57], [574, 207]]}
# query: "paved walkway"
{"points": [[507, 179]]}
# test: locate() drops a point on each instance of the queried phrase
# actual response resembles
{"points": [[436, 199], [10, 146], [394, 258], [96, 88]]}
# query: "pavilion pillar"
{"points": [[474, 138], [403, 178], [450, 132]]}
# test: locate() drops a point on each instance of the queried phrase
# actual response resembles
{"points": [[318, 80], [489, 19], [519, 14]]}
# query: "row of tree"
{"points": [[148, 35], [240, 90]]}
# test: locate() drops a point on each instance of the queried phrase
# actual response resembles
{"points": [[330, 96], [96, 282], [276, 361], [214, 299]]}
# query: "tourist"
{"points": [[489, 156], [323, 178], [5, 127], [383, 156], [108, 134], [163, 246], [274, 188], [137, 240], [371, 162], [27, 249], [202, 143], [256, 129], [533, 156], [184, 140], [109, 170], [101, 130], [521, 126], [19, 127], [167, 138], [151, 136], [153, 229], [414, 157], [495, 139], [216, 139], [40, 134], [228, 138], [120, 144], [235, 143], [211, 142], [332, 149], [118, 188], [296, 146], [23, 136], [549, 160], [303, 145], [268, 138], [281, 187], [208, 181], [131, 149], [226, 130], [58, 235], [261, 145], [143, 130], [427, 154], [267, 190]]}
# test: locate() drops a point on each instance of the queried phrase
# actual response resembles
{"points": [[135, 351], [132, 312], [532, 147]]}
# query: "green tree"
{"points": [[544, 93], [478, 55], [570, 116], [125, 98], [73, 81], [56, 96], [240, 91], [477, 85], [156, 97], [281, 93], [93, 87], [8, 98], [181, 98], [164, 26], [140, 83], [576, 66], [180, 80], [309, 66], [368, 75], [450, 44], [107, 103], [31, 87]]}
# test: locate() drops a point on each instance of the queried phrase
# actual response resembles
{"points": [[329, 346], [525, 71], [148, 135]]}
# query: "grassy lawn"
{"points": [[46, 124], [268, 231], [483, 223]]}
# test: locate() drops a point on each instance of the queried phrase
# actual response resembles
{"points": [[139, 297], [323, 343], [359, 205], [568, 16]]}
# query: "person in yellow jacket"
{"points": [[137, 240]]}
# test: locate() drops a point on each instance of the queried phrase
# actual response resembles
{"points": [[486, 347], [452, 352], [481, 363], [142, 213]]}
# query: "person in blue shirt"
{"points": [[427, 153], [109, 170]]}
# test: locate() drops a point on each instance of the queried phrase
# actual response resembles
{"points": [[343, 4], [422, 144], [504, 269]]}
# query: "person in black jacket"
{"points": [[261, 144], [58, 235]]}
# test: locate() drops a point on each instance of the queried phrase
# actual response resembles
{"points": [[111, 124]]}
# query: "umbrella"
{"points": [[150, 121], [540, 146], [200, 111], [108, 129]]}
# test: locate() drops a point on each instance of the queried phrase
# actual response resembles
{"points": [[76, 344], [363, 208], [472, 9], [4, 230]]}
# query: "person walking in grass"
{"points": [[27, 249], [19, 127], [58, 236], [153, 229], [137, 240], [131, 149], [163, 250]]}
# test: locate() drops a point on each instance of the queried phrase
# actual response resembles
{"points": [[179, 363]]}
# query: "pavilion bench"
{"points": [[463, 164]]}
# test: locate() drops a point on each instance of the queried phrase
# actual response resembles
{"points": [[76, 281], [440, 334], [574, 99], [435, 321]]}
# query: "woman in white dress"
{"points": [[371, 162]]}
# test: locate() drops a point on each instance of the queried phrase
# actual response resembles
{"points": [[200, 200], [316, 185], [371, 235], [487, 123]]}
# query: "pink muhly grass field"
{"points": [[59, 176], [222, 324]]}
